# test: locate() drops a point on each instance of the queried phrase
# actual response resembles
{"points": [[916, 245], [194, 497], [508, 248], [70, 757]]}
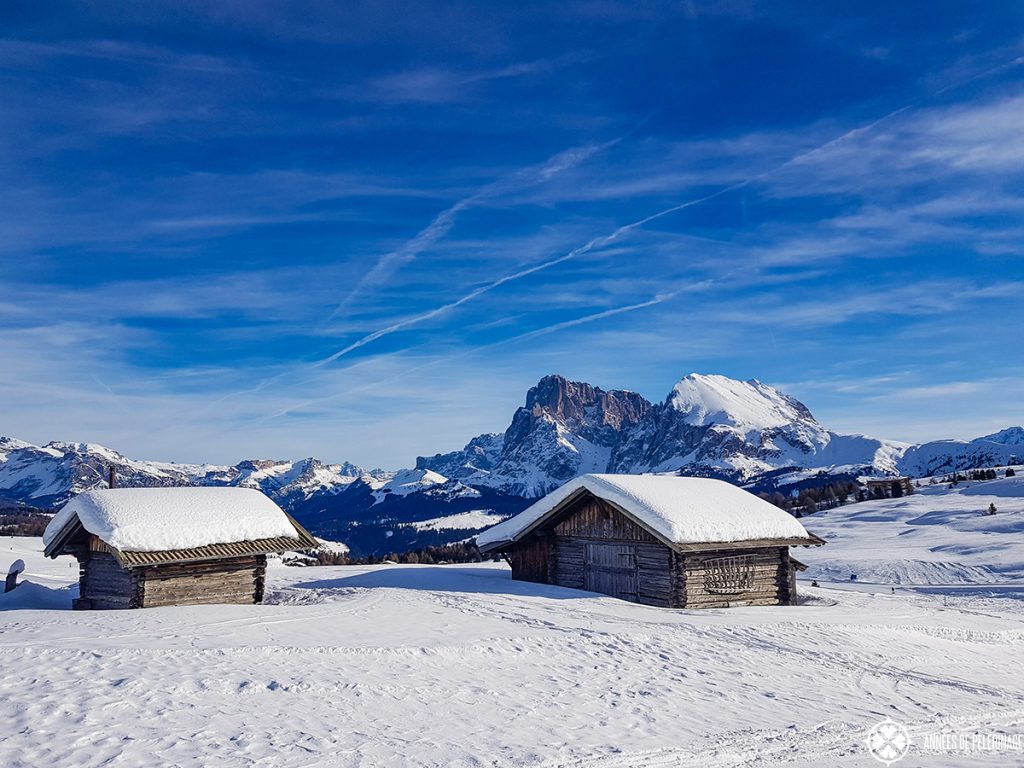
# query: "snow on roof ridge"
{"points": [[682, 510], [181, 517]]}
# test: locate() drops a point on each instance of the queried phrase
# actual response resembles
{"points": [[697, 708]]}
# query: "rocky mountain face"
{"points": [[566, 428], [716, 425], [480, 455], [708, 425], [743, 431]]}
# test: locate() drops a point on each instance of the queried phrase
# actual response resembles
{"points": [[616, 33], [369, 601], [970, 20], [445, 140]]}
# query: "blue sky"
{"points": [[236, 229]]}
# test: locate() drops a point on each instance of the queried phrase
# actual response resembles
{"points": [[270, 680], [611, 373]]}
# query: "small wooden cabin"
{"points": [[146, 547], [676, 542]]}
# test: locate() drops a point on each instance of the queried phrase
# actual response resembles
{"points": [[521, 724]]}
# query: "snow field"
{"points": [[474, 519], [937, 536], [460, 666]]}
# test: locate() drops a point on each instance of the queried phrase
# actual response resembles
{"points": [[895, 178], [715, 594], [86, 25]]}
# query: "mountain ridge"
{"points": [[746, 432]]}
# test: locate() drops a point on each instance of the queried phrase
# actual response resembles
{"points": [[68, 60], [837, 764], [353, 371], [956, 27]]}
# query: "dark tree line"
{"points": [[810, 500], [983, 474], [835, 494], [975, 475], [22, 524], [460, 552], [893, 490]]}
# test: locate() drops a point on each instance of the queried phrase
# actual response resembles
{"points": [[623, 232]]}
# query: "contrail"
{"points": [[603, 240], [442, 223], [660, 298], [626, 228], [588, 319], [114, 397]]}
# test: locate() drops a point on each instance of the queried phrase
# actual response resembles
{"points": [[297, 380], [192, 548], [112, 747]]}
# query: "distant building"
{"points": [[677, 542], [145, 547]]}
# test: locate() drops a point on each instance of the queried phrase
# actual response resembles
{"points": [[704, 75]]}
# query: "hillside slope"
{"points": [[939, 535]]}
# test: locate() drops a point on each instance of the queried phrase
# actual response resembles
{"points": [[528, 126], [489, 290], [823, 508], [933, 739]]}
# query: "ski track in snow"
{"points": [[460, 666]]}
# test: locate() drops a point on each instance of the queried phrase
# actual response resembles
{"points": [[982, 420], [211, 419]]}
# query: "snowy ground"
{"points": [[936, 536], [458, 665]]}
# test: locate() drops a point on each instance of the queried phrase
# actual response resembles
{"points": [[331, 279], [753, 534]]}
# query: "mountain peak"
{"points": [[706, 399], [1008, 436], [560, 397]]}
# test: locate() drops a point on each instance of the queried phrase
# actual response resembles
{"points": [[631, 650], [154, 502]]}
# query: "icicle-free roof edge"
{"points": [[178, 518], [679, 510]]}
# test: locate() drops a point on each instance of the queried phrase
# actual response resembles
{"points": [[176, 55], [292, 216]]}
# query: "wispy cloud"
{"points": [[448, 359], [196, 189], [442, 223], [603, 240], [27, 52], [434, 85]]}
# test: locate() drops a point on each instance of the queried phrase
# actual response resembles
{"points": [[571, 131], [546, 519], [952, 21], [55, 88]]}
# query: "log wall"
{"points": [[594, 518], [235, 580], [104, 584], [529, 560], [768, 571], [597, 548]]}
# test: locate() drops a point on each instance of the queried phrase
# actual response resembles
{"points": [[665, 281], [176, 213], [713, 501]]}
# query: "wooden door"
{"points": [[611, 569]]}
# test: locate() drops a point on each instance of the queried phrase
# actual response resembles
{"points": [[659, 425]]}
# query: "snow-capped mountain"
{"points": [[740, 430], [479, 456], [1008, 436], [566, 428], [424, 481], [288, 482], [719, 425], [943, 456], [47, 476], [744, 431], [708, 425]]}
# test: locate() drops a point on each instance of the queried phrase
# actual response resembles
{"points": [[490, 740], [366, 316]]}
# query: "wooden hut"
{"points": [[145, 547], [677, 542]]}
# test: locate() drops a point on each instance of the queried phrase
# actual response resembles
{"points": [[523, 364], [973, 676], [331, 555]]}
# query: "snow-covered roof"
{"points": [[681, 510], [161, 519]]}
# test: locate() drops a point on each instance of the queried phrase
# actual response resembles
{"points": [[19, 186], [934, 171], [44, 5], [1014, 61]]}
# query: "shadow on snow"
{"points": [[468, 580]]}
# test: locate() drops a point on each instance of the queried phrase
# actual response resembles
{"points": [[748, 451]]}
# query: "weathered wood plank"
{"points": [[103, 583], [530, 560], [231, 580], [591, 517], [764, 581], [232, 598]]}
